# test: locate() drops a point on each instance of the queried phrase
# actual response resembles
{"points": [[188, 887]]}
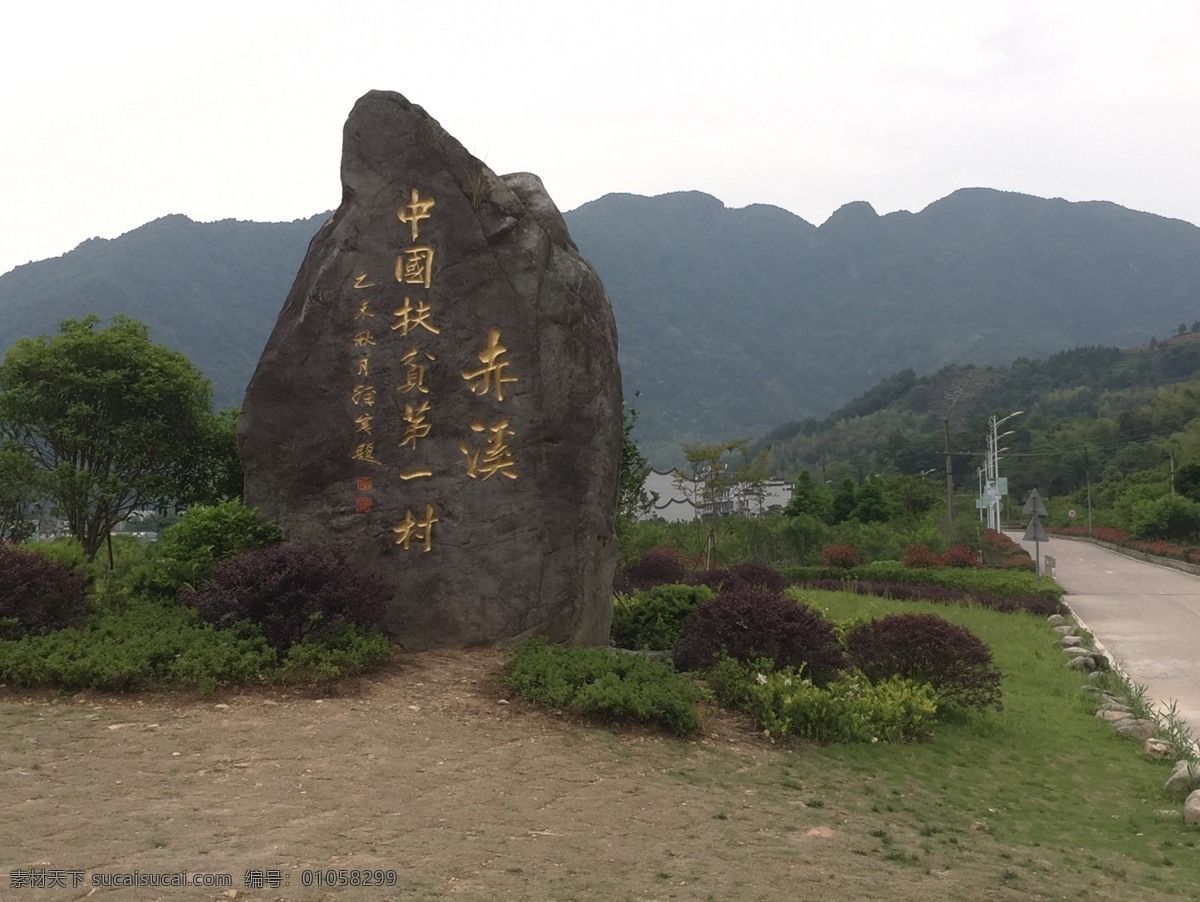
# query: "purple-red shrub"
{"points": [[715, 578], [841, 556], [1159, 548], [758, 576], [292, 592], [747, 624], [927, 648], [1002, 552], [961, 555], [38, 595], [656, 567], [919, 557]]}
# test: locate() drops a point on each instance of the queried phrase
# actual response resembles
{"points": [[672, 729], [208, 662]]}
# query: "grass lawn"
{"points": [[1043, 786]]}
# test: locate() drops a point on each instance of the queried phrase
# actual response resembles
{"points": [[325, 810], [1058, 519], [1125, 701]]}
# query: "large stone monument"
{"points": [[440, 398]]}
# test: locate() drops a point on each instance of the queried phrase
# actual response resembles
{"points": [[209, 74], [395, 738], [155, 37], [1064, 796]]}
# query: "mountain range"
{"points": [[730, 321]]}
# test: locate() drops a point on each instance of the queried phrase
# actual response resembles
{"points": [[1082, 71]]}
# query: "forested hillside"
{"points": [[730, 318], [730, 321], [209, 290], [1089, 412]]}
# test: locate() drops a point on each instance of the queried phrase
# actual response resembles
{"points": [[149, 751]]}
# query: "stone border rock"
{"points": [[1096, 661]]}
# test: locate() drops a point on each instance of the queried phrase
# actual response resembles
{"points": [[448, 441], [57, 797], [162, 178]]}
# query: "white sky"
{"points": [[113, 114]]}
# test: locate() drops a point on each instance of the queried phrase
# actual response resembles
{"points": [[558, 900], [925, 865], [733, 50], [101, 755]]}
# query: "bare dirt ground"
{"points": [[423, 770]]}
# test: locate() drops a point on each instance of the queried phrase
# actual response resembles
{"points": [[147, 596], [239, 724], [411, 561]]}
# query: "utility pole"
{"points": [[1087, 476], [949, 482]]}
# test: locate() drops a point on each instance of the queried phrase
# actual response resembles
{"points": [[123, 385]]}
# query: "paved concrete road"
{"points": [[1146, 615]]}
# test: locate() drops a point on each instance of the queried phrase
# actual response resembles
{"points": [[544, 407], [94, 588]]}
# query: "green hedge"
{"points": [[596, 682]]}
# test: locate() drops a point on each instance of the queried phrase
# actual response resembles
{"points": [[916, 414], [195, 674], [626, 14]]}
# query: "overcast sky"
{"points": [[117, 113]]}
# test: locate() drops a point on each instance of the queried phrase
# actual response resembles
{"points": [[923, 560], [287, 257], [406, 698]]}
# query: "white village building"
{"points": [[675, 493]]}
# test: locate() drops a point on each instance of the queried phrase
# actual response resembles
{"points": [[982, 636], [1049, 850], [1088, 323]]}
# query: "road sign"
{"points": [[1071, 513], [1035, 532], [1034, 505]]}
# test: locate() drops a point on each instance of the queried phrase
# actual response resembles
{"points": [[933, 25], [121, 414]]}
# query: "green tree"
{"points": [[217, 475], [1187, 481], [19, 494], [873, 503], [810, 497], [632, 498], [845, 497], [1166, 517], [721, 481], [113, 421]]}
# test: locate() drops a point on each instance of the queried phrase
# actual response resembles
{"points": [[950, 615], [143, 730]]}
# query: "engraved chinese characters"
{"points": [[440, 397], [412, 337]]}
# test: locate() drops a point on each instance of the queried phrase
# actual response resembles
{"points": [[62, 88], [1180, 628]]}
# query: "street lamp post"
{"points": [[993, 466]]}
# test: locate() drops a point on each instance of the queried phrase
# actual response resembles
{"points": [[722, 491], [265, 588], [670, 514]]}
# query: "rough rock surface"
{"points": [[1191, 809], [1136, 729], [440, 397], [1156, 748], [1185, 777]]}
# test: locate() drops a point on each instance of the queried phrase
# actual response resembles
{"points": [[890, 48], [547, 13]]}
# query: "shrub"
{"points": [[758, 576], [38, 595], [714, 578], [144, 645], [596, 682], [919, 556], [748, 624], [1168, 517], [926, 648], [291, 592], [348, 652], [1041, 605], [1001, 551], [204, 537], [658, 566], [840, 556], [64, 551], [961, 555], [785, 703], [653, 618]]}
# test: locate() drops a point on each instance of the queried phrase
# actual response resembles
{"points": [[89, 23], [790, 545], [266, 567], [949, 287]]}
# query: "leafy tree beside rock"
{"points": [[112, 421], [19, 494]]}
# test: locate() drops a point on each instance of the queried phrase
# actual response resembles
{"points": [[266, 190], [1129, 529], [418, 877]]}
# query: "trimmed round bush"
{"points": [[924, 647], [38, 595], [653, 618], [748, 624], [843, 557], [293, 593], [714, 578], [961, 555], [758, 576], [919, 557], [658, 566]]}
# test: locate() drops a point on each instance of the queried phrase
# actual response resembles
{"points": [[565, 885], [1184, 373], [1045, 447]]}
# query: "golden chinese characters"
{"points": [[415, 266], [408, 318], [411, 529], [413, 212], [491, 376], [496, 454]]}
